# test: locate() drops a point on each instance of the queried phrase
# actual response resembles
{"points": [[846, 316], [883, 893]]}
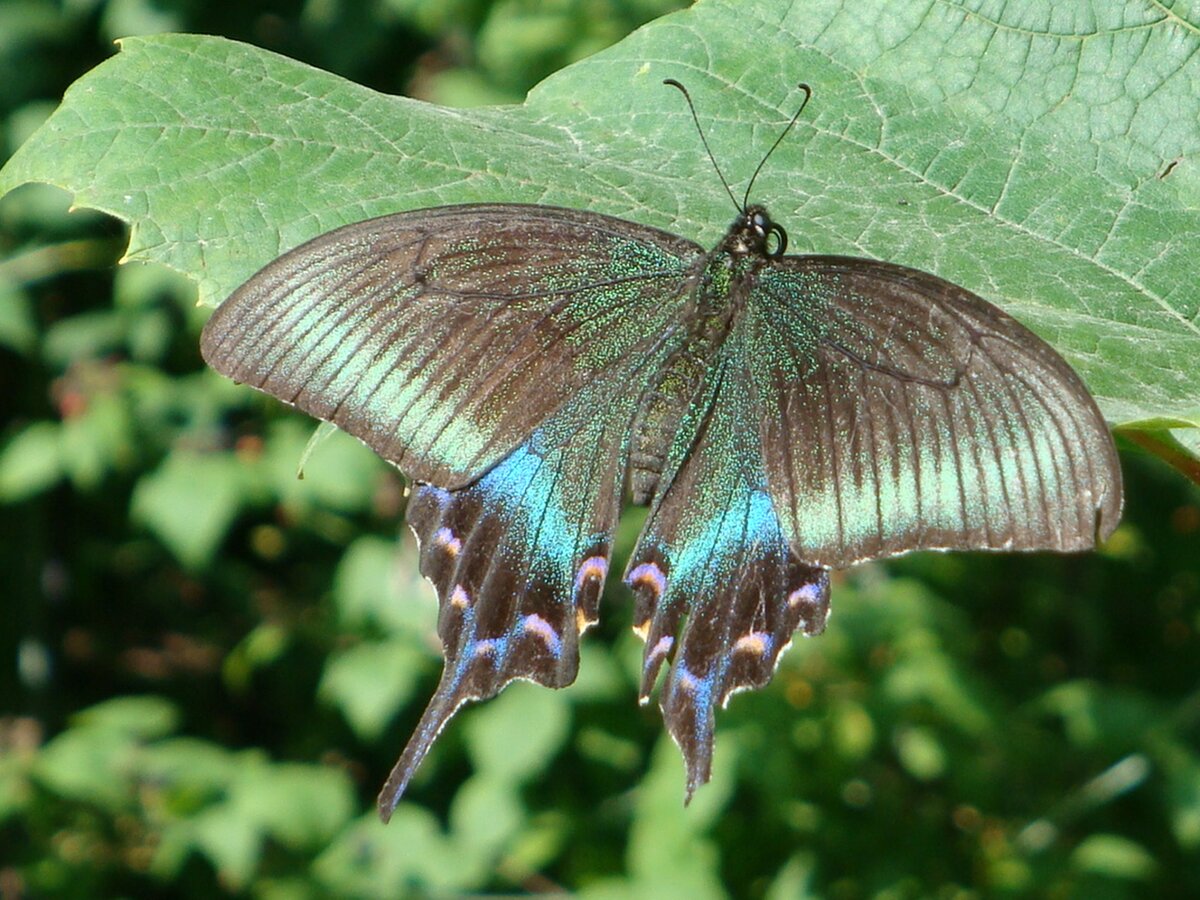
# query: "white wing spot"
{"points": [[650, 575], [445, 538], [756, 642]]}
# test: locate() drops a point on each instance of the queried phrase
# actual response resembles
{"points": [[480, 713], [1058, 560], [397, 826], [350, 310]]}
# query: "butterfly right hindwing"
{"points": [[718, 590]]}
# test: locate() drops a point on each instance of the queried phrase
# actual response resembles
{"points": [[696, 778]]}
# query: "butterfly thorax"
{"points": [[721, 281]]}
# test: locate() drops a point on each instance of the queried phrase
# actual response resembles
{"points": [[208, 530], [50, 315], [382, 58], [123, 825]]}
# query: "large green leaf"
{"points": [[1043, 155]]}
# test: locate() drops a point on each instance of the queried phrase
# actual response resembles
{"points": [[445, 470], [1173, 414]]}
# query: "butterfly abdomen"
{"points": [[707, 323]]}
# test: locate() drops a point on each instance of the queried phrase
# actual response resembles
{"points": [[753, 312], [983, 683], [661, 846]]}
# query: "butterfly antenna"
{"points": [[688, 97], [779, 140]]}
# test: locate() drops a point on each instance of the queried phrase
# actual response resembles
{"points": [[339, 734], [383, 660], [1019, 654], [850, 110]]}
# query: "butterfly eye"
{"points": [[780, 241]]}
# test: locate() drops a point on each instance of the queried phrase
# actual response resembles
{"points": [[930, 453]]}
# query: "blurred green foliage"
{"points": [[210, 663]]}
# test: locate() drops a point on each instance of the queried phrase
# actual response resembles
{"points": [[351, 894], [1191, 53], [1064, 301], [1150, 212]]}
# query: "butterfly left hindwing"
{"points": [[497, 355], [519, 560]]}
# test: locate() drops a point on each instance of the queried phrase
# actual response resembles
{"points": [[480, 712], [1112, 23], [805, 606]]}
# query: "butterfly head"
{"points": [[754, 233]]}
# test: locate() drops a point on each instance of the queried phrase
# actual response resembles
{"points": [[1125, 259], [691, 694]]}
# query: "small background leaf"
{"points": [[189, 503]]}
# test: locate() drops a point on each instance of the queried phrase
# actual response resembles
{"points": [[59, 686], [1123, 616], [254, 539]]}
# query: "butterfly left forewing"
{"points": [[443, 337], [900, 412]]}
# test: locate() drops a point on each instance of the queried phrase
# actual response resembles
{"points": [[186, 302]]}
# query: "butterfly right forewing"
{"points": [[898, 412]]}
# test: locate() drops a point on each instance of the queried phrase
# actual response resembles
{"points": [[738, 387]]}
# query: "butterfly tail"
{"points": [[441, 709]]}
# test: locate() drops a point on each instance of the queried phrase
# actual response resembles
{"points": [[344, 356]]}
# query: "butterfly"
{"points": [[528, 367]]}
